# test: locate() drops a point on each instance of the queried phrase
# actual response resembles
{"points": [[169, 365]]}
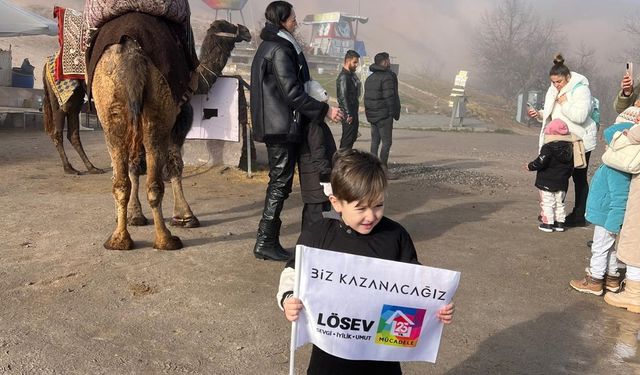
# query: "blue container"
{"points": [[21, 80]]}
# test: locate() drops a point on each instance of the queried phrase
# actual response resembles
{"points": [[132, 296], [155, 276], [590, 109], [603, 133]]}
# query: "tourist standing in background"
{"points": [[348, 93], [569, 99], [382, 106]]}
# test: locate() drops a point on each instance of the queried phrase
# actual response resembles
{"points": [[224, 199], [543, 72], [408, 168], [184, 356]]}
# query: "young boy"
{"points": [[554, 166], [606, 205], [358, 180], [314, 163]]}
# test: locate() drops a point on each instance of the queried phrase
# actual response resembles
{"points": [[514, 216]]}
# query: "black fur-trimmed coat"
{"points": [[277, 91]]}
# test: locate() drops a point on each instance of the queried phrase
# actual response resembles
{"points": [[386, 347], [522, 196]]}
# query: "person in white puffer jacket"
{"points": [[569, 99]]}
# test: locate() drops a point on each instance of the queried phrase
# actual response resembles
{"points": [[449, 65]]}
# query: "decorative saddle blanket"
{"points": [[99, 12], [62, 89], [70, 61]]}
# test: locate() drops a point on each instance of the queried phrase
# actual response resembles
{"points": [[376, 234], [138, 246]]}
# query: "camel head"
{"points": [[224, 29], [222, 37], [220, 40]]}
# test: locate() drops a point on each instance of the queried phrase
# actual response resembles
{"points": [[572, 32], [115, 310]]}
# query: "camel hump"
{"points": [[99, 12], [163, 42]]}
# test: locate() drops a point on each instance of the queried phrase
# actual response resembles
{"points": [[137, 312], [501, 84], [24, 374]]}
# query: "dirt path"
{"points": [[69, 306]]}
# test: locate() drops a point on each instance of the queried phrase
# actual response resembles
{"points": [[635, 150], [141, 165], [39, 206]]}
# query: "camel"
{"points": [[54, 120], [141, 117]]}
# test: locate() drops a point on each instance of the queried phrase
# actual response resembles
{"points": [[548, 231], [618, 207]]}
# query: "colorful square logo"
{"points": [[400, 326]]}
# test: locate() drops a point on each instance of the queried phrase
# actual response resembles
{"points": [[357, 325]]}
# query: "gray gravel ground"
{"points": [[67, 306]]}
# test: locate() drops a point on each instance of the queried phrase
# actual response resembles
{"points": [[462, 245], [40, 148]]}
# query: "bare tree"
{"points": [[631, 29], [514, 48], [584, 60]]}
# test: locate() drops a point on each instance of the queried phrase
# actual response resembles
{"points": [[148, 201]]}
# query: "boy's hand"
{"points": [[335, 114], [326, 188], [292, 307], [445, 314]]}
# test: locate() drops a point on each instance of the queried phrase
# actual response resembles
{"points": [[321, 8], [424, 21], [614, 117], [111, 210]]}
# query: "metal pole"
{"points": [[247, 128], [355, 37], [294, 325], [453, 111], [247, 131], [462, 104]]}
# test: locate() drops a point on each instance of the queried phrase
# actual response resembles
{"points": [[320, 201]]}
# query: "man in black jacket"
{"points": [[348, 93], [279, 108], [382, 105]]}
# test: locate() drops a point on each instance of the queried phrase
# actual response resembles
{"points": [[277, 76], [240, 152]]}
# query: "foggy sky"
{"points": [[435, 33]]}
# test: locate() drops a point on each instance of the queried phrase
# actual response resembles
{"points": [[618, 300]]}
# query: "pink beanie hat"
{"points": [[556, 127]]}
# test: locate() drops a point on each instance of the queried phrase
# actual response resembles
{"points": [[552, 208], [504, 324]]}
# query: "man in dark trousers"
{"points": [[382, 106], [348, 93]]}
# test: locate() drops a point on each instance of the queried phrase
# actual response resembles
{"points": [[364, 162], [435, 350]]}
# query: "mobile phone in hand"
{"points": [[630, 69]]}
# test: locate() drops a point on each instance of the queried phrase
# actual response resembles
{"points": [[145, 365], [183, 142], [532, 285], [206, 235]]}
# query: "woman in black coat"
{"points": [[279, 108]]}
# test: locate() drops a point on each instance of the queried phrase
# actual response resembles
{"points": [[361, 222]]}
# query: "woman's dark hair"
{"points": [[558, 68], [277, 12]]}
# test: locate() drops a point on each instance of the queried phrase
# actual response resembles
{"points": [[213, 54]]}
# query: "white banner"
{"points": [[365, 308]]}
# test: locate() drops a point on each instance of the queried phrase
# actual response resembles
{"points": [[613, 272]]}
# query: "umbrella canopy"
{"points": [[226, 4], [15, 21]]}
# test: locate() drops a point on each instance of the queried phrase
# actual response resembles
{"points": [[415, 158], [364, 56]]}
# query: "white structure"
{"points": [[215, 135]]}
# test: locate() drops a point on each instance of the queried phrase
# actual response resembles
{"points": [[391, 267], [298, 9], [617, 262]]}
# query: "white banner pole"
{"points": [[294, 325]]}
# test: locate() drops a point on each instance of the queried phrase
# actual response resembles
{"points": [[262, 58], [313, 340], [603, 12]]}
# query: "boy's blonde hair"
{"points": [[358, 176]]}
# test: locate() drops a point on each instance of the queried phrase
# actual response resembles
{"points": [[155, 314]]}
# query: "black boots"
{"points": [[267, 245], [282, 161]]}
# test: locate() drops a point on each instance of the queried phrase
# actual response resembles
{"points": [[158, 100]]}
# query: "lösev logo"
{"points": [[400, 326]]}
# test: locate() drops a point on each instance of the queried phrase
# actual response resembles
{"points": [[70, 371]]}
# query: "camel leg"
{"points": [[135, 215], [58, 141], [182, 214], [73, 135], [111, 112], [120, 239], [158, 117], [155, 192], [54, 118]]}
